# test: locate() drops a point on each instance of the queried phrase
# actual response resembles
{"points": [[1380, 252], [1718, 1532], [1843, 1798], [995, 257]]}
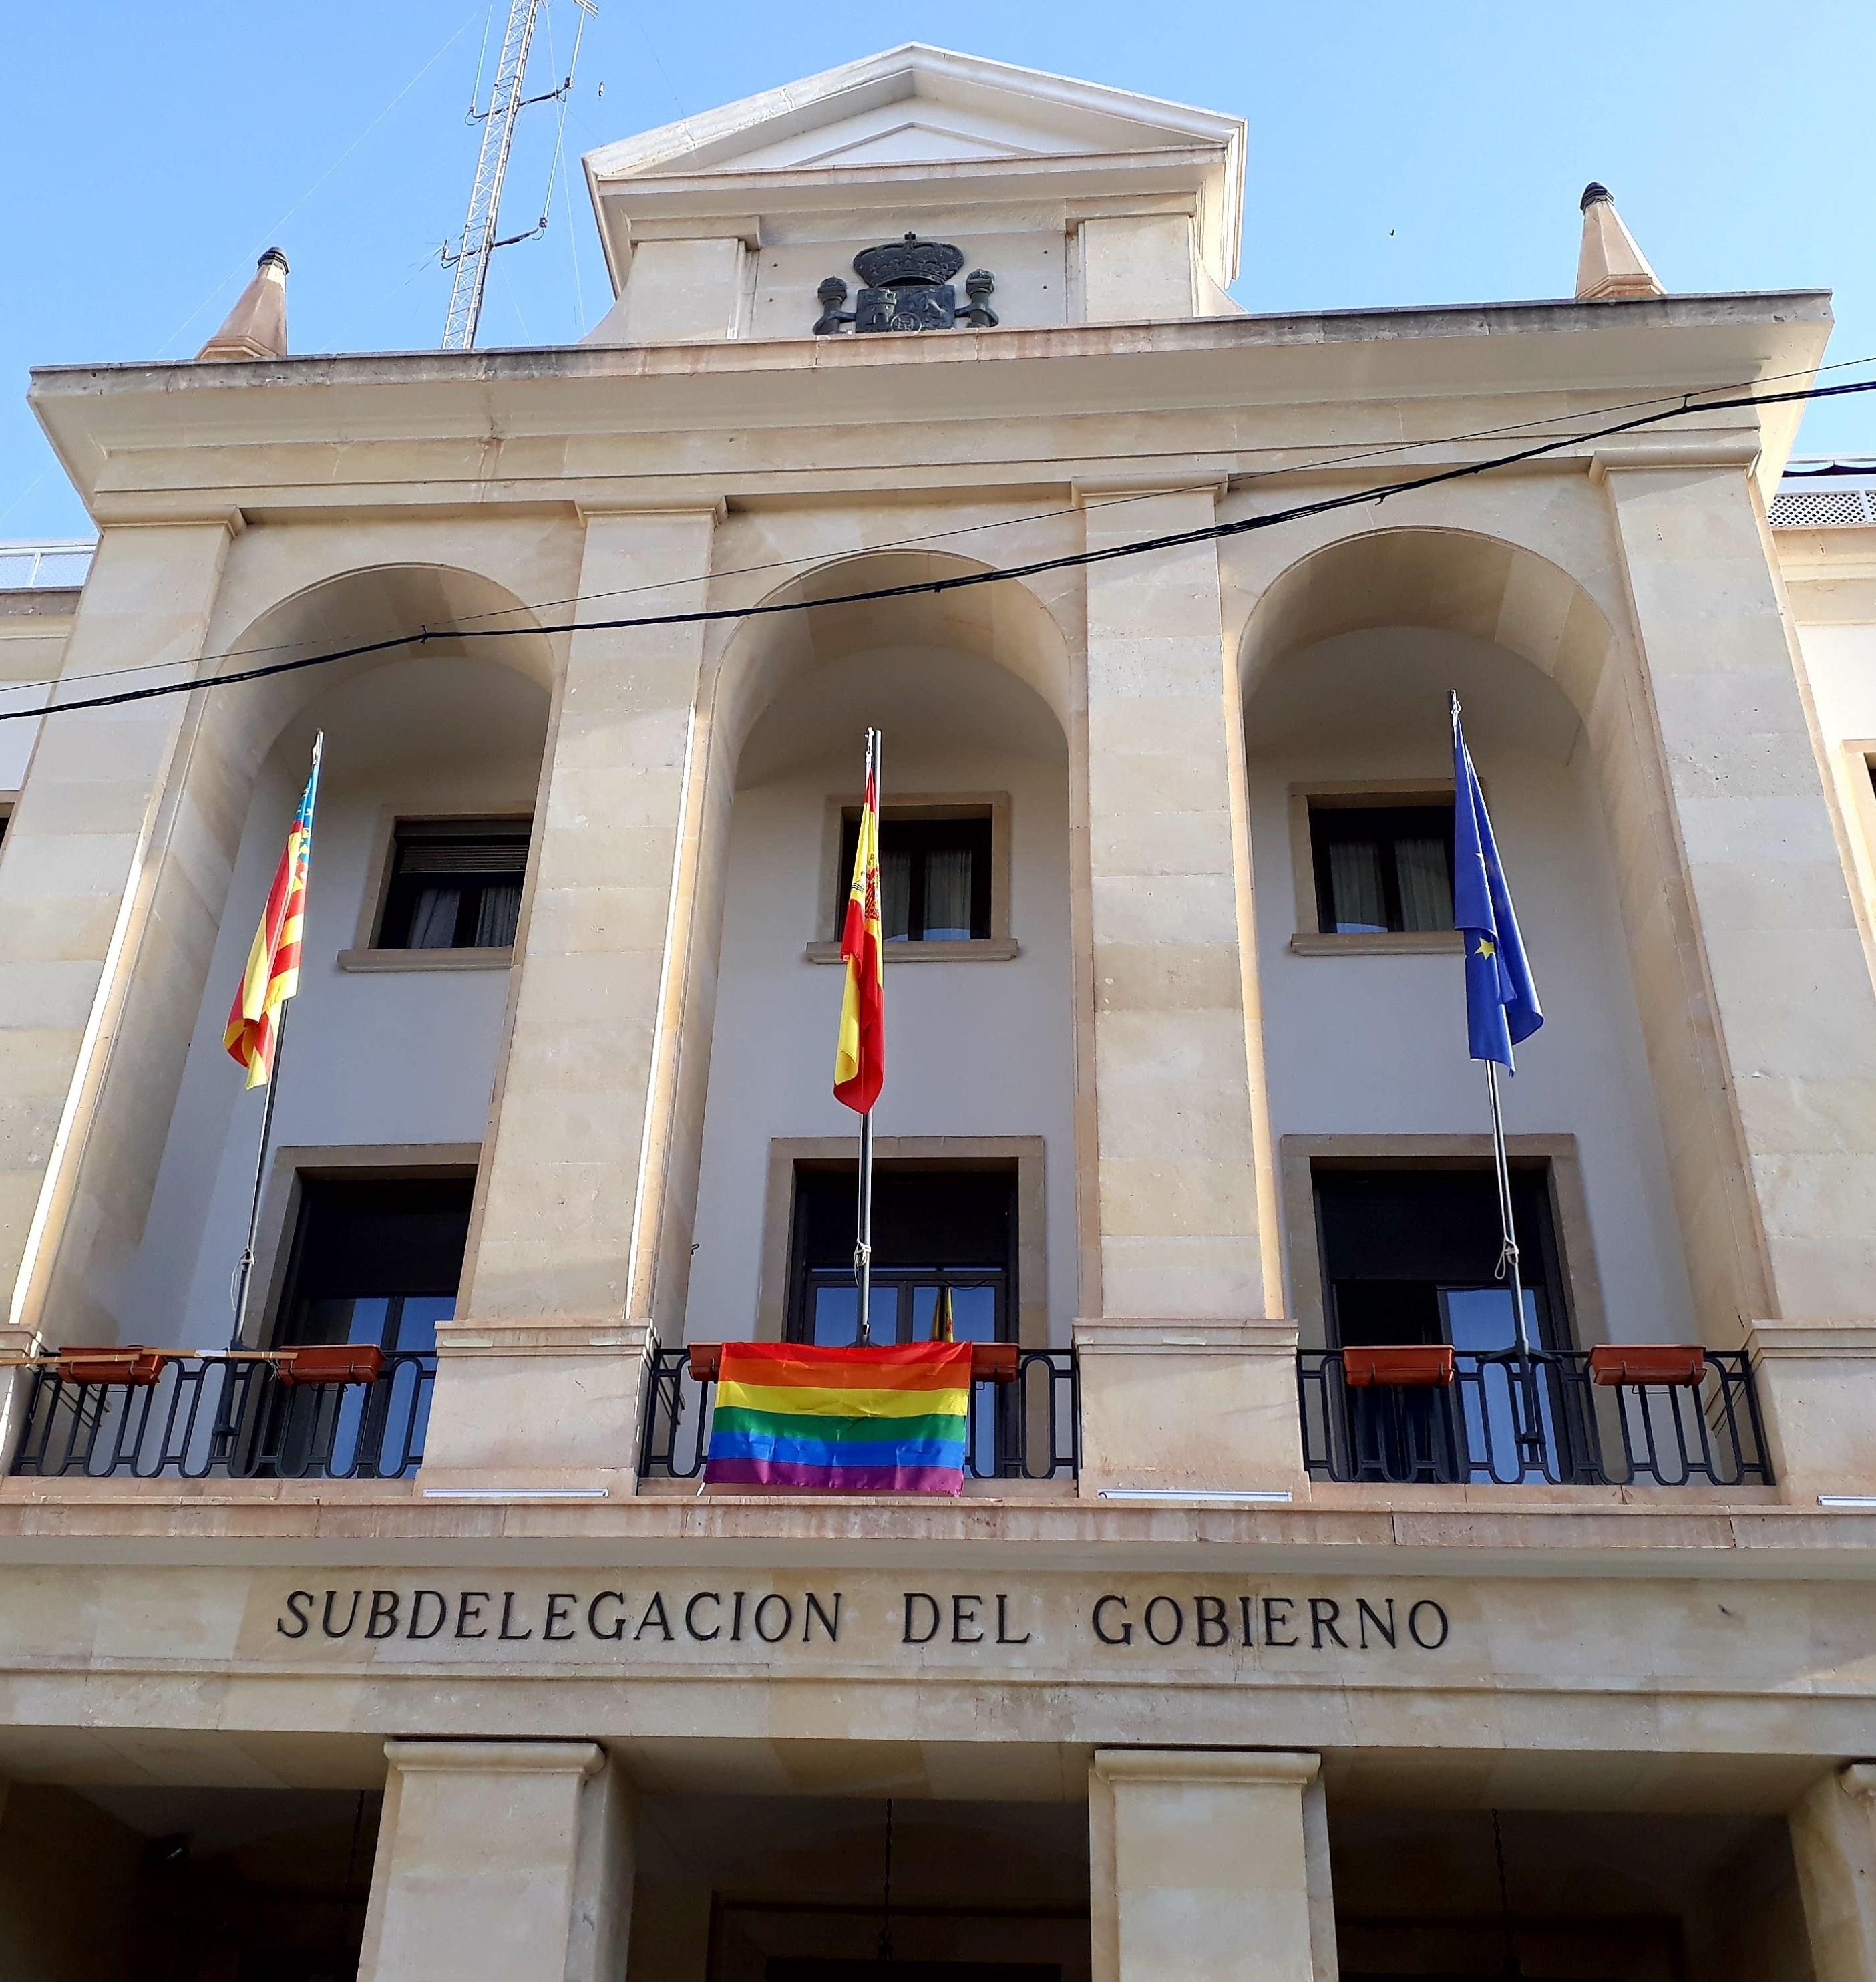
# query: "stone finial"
{"points": [[257, 325], [1611, 266]]}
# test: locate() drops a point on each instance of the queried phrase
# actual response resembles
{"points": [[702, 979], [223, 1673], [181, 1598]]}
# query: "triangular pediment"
{"points": [[913, 105]]}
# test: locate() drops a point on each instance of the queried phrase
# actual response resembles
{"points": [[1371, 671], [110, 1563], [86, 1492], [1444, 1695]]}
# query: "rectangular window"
{"points": [[1410, 1255], [374, 1260], [943, 1238], [1382, 867], [455, 884], [934, 876]]}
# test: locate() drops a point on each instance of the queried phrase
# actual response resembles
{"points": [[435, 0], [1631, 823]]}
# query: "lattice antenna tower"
{"points": [[481, 236]]}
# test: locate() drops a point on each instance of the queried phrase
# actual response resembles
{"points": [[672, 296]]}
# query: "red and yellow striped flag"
{"points": [[273, 972], [860, 1056]]}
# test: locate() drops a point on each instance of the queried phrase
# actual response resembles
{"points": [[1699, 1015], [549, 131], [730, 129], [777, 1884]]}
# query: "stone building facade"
{"points": [[1229, 1663]]}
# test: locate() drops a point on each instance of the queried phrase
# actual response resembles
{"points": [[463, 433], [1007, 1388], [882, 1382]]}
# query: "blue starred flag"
{"points": [[1500, 999]]}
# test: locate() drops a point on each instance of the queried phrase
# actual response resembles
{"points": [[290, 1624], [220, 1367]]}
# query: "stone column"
{"points": [[540, 1377], [1769, 1100], [1833, 1843], [500, 1861], [1184, 1180], [1210, 1865], [75, 894]]}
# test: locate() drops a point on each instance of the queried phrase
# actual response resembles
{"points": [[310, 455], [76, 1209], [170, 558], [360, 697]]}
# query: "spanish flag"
{"points": [[860, 1057], [273, 972]]}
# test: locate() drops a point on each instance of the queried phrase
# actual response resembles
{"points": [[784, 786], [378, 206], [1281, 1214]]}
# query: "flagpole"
{"points": [[244, 1271], [1496, 1019], [863, 1240], [1508, 1262], [244, 1274]]}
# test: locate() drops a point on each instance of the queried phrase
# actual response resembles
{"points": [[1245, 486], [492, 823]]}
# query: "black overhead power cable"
{"points": [[1349, 456], [962, 581]]}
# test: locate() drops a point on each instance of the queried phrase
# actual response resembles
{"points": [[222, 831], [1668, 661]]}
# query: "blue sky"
{"points": [[1401, 152]]}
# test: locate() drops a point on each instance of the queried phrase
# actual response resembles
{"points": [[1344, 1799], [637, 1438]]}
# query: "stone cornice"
{"points": [[475, 426], [1431, 1531]]}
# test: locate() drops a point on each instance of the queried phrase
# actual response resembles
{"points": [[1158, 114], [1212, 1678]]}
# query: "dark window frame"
{"points": [[441, 1185], [928, 831], [1539, 1225], [404, 884], [1390, 818], [896, 1283]]}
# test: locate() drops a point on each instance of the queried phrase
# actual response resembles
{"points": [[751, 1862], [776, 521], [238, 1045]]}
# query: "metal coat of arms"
{"points": [[908, 287]]}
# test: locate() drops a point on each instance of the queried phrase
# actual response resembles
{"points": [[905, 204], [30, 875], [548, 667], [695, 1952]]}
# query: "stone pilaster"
{"points": [[1774, 1149], [76, 895], [500, 1861], [1184, 1189], [572, 1191], [1833, 1843], [1209, 1865]]}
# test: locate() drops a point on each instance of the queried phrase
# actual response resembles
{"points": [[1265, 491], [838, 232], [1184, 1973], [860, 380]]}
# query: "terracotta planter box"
{"points": [[1416, 1366], [331, 1363], [1612, 1363], [995, 1361], [140, 1367]]}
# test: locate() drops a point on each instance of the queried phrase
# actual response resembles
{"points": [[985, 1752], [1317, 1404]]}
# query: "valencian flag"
{"points": [[860, 1055], [841, 1420], [273, 972], [1500, 999]]}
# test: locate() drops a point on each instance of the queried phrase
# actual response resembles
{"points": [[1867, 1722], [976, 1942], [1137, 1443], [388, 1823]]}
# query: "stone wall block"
{"points": [[1181, 1406]]}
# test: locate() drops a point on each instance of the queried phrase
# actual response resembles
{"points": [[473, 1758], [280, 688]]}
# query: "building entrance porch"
{"points": [[553, 1861]]}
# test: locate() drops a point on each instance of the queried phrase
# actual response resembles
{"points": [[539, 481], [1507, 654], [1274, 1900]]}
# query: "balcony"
{"points": [[147, 1414], [1455, 1418], [1549, 1418], [1029, 1429]]}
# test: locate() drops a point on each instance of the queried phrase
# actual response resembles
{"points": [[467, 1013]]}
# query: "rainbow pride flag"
{"points": [[841, 1420]]}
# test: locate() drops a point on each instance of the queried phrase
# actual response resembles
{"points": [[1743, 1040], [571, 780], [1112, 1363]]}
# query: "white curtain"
{"points": [[496, 915], [433, 920], [895, 895], [1354, 887], [948, 895], [1426, 884]]}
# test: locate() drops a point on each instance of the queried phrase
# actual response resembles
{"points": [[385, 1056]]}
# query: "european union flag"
{"points": [[1500, 1000]]}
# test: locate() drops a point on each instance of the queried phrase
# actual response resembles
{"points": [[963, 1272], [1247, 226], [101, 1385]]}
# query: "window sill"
{"points": [[425, 959], [1387, 943], [988, 949]]}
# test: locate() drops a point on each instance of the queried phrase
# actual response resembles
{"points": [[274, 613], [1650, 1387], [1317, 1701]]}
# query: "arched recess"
{"points": [[1456, 580], [946, 646], [239, 761], [1505, 599]]}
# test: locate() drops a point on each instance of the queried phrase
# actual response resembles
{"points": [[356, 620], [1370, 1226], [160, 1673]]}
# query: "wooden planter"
{"points": [[1408, 1365], [991, 1361], [137, 1366], [331, 1363], [1683, 1364]]}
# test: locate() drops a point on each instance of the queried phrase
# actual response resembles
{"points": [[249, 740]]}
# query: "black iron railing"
{"points": [[1507, 1420], [207, 1415], [1027, 1429]]}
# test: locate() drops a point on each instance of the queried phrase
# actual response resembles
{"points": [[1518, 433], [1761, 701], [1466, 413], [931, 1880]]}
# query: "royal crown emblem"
{"points": [[908, 287]]}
